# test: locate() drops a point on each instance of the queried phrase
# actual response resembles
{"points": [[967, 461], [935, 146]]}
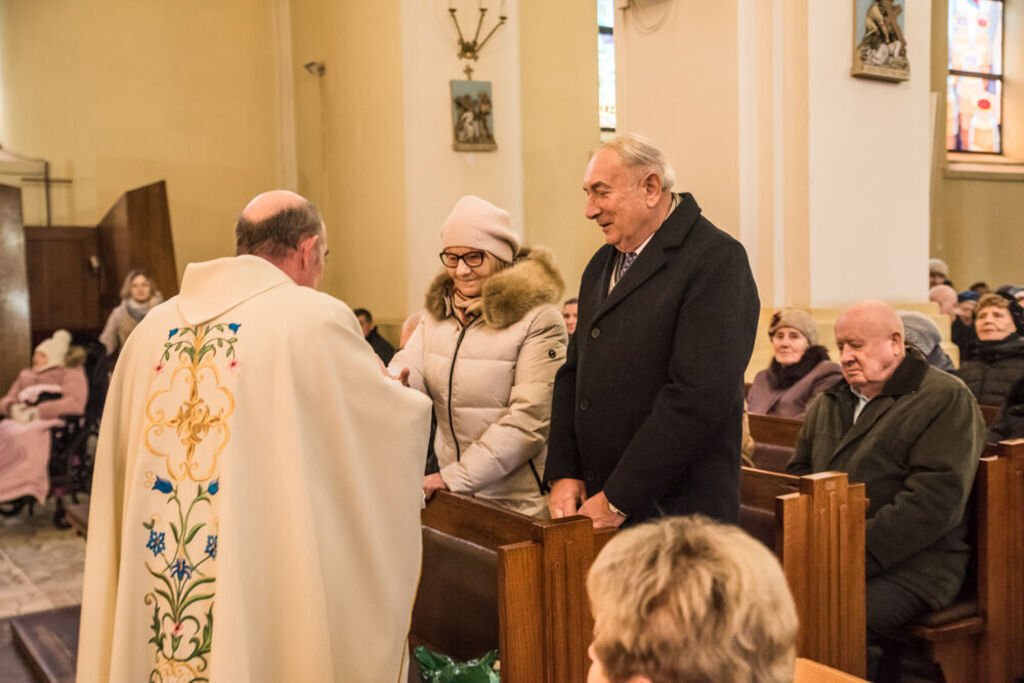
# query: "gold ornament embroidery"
{"points": [[200, 416]]}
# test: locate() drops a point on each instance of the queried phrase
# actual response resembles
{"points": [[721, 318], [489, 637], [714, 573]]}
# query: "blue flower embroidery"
{"points": [[211, 546], [156, 542], [162, 485], [172, 333], [234, 327], [181, 570], [214, 487]]}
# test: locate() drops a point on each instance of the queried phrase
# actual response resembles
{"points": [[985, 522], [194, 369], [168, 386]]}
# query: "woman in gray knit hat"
{"points": [[799, 371], [486, 351]]}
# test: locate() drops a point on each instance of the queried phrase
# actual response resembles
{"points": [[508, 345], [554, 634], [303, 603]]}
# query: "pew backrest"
{"points": [[818, 536], [774, 440]]}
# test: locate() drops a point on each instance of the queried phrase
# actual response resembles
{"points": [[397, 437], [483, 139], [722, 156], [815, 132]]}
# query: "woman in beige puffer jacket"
{"points": [[486, 351]]}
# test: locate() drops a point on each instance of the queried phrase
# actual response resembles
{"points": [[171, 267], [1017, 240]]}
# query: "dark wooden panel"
{"points": [[62, 281], [15, 330], [136, 233], [48, 642]]}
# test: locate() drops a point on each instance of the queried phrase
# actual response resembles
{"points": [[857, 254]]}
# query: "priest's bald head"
{"points": [[286, 229]]}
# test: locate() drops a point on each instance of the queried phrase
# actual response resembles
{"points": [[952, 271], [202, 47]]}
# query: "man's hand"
{"points": [[597, 509], [432, 482], [566, 496]]}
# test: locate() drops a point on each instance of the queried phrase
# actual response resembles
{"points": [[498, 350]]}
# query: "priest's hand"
{"points": [[566, 496], [597, 508], [433, 482]]}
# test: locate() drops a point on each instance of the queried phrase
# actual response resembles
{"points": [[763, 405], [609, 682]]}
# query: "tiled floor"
{"points": [[40, 565]]}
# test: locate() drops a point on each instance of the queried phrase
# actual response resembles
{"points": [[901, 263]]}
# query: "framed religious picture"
{"points": [[880, 46], [472, 117]]}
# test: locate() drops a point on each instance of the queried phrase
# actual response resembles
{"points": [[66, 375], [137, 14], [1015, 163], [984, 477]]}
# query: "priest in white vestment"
{"points": [[255, 504]]}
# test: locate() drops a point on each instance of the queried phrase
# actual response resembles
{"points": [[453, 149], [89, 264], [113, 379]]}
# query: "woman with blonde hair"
{"points": [[686, 599], [138, 295], [486, 351]]}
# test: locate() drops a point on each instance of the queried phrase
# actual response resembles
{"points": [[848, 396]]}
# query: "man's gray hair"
{"points": [[274, 236], [636, 151]]}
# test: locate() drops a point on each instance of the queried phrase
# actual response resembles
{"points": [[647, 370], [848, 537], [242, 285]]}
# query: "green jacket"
{"points": [[915, 447]]}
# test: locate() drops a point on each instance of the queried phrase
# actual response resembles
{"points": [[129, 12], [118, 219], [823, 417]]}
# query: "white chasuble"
{"points": [[255, 505]]}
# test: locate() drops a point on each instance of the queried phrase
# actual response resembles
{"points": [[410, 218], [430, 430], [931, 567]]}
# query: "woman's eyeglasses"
{"points": [[471, 258]]}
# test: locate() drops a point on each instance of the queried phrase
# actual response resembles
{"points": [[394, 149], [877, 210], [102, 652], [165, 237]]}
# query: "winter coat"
{"points": [[786, 391], [381, 346], [994, 369], [915, 447], [491, 381], [121, 322], [1009, 423], [648, 407], [72, 385]]}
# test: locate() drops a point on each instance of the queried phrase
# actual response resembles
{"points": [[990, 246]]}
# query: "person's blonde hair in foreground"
{"points": [[690, 599]]}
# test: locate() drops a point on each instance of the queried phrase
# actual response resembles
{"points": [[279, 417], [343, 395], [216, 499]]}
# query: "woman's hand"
{"points": [[431, 483]]}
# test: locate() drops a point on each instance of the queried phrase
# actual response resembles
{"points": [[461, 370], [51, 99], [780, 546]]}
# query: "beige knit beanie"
{"points": [[55, 349], [478, 224], [801, 321]]}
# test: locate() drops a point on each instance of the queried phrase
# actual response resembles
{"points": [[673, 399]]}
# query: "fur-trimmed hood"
{"points": [[508, 295]]}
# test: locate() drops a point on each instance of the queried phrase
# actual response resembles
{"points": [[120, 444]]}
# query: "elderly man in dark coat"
{"points": [[647, 410], [913, 435]]}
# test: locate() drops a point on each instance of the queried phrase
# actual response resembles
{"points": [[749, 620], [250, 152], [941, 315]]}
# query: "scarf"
{"points": [[785, 376], [466, 308]]}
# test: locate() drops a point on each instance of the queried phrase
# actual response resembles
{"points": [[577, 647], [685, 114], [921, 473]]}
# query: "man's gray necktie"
{"points": [[627, 261]]}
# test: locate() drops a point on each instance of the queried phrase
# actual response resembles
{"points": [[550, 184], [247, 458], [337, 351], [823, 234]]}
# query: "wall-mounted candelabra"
{"points": [[470, 49]]}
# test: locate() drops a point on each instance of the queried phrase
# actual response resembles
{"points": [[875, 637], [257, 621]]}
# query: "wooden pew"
{"points": [[774, 440], [980, 637], [989, 413], [815, 525], [493, 578]]}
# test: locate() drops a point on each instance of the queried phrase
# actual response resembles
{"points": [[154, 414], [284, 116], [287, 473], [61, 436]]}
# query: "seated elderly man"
{"points": [[912, 434], [688, 599]]}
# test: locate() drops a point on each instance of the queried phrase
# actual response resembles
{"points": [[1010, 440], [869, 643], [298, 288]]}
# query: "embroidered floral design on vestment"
{"points": [[187, 429]]}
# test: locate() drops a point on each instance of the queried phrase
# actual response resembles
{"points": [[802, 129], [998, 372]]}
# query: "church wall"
{"points": [[350, 144], [977, 207], [118, 94], [435, 175], [676, 65], [869, 148], [558, 59]]}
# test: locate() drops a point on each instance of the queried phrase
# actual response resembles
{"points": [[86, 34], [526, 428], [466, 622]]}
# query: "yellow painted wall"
{"points": [[120, 93], [977, 223], [349, 138], [558, 52]]}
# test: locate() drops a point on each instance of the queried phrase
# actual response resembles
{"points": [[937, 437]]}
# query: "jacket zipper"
{"points": [[451, 379]]}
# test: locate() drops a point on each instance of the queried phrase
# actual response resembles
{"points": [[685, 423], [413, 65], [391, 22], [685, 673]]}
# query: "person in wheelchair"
{"points": [[55, 385]]}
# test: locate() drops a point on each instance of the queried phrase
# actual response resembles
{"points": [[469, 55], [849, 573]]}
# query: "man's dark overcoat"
{"points": [[649, 404]]}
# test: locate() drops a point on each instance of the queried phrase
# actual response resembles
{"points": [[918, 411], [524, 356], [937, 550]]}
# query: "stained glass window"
{"points": [[606, 63], [974, 87]]}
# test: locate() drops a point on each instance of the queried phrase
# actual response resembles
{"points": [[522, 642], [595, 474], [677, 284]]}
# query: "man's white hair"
{"points": [[636, 151]]}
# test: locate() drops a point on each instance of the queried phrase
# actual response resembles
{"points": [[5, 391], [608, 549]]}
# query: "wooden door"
{"points": [[63, 275], [136, 233], [15, 339]]}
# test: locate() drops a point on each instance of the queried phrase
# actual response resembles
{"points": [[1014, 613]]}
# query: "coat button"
{"points": [[551, 353], [584, 404], [595, 333]]}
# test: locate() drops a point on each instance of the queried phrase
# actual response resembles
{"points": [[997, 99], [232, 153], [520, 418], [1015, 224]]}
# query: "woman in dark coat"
{"points": [[999, 360], [799, 371], [1009, 423]]}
